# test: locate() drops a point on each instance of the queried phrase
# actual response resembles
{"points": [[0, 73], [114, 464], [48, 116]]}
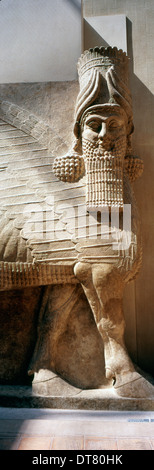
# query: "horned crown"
{"points": [[103, 78]]}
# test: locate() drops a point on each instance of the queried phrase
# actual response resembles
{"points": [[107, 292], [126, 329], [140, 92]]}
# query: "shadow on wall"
{"points": [[143, 111], [76, 4], [143, 141], [92, 38]]}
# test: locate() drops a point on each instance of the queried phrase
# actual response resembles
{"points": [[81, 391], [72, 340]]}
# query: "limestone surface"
{"points": [[70, 236]]}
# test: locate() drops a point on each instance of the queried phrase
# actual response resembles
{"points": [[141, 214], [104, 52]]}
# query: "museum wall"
{"points": [[40, 40], [29, 76]]}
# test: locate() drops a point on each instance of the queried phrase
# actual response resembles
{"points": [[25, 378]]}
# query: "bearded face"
{"points": [[104, 140]]}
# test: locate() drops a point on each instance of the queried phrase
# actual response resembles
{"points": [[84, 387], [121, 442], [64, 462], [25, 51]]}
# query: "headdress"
{"points": [[103, 80]]}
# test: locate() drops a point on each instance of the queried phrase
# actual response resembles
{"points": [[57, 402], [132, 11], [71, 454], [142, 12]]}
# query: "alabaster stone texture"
{"points": [[66, 284], [52, 103], [18, 333], [68, 347], [26, 110]]}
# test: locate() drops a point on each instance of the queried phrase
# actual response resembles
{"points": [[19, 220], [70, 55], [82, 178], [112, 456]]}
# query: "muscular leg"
{"points": [[56, 307], [103, 287], [109, 287]]}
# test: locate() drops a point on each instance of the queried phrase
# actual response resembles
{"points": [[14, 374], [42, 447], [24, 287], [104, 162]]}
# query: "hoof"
{"points": [[133, 385]]}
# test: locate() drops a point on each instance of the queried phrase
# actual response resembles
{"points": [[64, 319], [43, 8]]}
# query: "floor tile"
{"points": [[68, 443], [93, 443], [133, 444], [8, 444], [35, 443], [45, 429], [152, 443]]}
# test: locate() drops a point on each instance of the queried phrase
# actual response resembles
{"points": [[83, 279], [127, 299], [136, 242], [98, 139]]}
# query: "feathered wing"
{"points": [[33, 237], [44, 226]]}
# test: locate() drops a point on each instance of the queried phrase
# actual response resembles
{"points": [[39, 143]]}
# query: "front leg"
{"points": [[83, 272], [109, 286], [104, 290]]}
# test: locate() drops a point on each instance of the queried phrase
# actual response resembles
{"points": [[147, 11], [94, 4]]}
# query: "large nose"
{"points": [[103, 130]]}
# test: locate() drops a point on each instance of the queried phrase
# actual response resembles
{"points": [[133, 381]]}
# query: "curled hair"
{"points": [[87, 96]]}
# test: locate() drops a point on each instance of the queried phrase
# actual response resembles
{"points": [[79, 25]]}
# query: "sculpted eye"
{"points": [[94, 125], [114, 124]]}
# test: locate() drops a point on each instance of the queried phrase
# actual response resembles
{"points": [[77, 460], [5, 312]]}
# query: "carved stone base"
{"points": [[50, 391]]}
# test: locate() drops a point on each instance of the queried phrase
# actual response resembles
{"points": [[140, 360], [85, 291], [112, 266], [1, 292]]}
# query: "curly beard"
{"points": [[104, 172]]}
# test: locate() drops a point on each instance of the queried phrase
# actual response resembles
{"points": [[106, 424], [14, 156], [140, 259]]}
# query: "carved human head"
{"points": [[104, 128], [103, 114], [103, 79]]}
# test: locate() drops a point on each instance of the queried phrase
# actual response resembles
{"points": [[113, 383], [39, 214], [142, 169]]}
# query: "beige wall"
{"points": [[139, 296], [40, 40]]}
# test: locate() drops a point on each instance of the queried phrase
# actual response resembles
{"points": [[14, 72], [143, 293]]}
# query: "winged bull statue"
{"points": [[76, 226]]}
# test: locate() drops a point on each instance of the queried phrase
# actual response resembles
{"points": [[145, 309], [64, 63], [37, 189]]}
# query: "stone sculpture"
{"points": [[89, 245], [103, 128]]}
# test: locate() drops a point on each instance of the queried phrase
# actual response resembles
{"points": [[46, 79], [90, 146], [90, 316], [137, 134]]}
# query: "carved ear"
{"points": [[130, 127], [130, 130]]}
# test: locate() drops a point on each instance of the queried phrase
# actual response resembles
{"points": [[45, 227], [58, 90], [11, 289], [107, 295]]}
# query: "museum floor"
{"points": [[52, 429]]}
